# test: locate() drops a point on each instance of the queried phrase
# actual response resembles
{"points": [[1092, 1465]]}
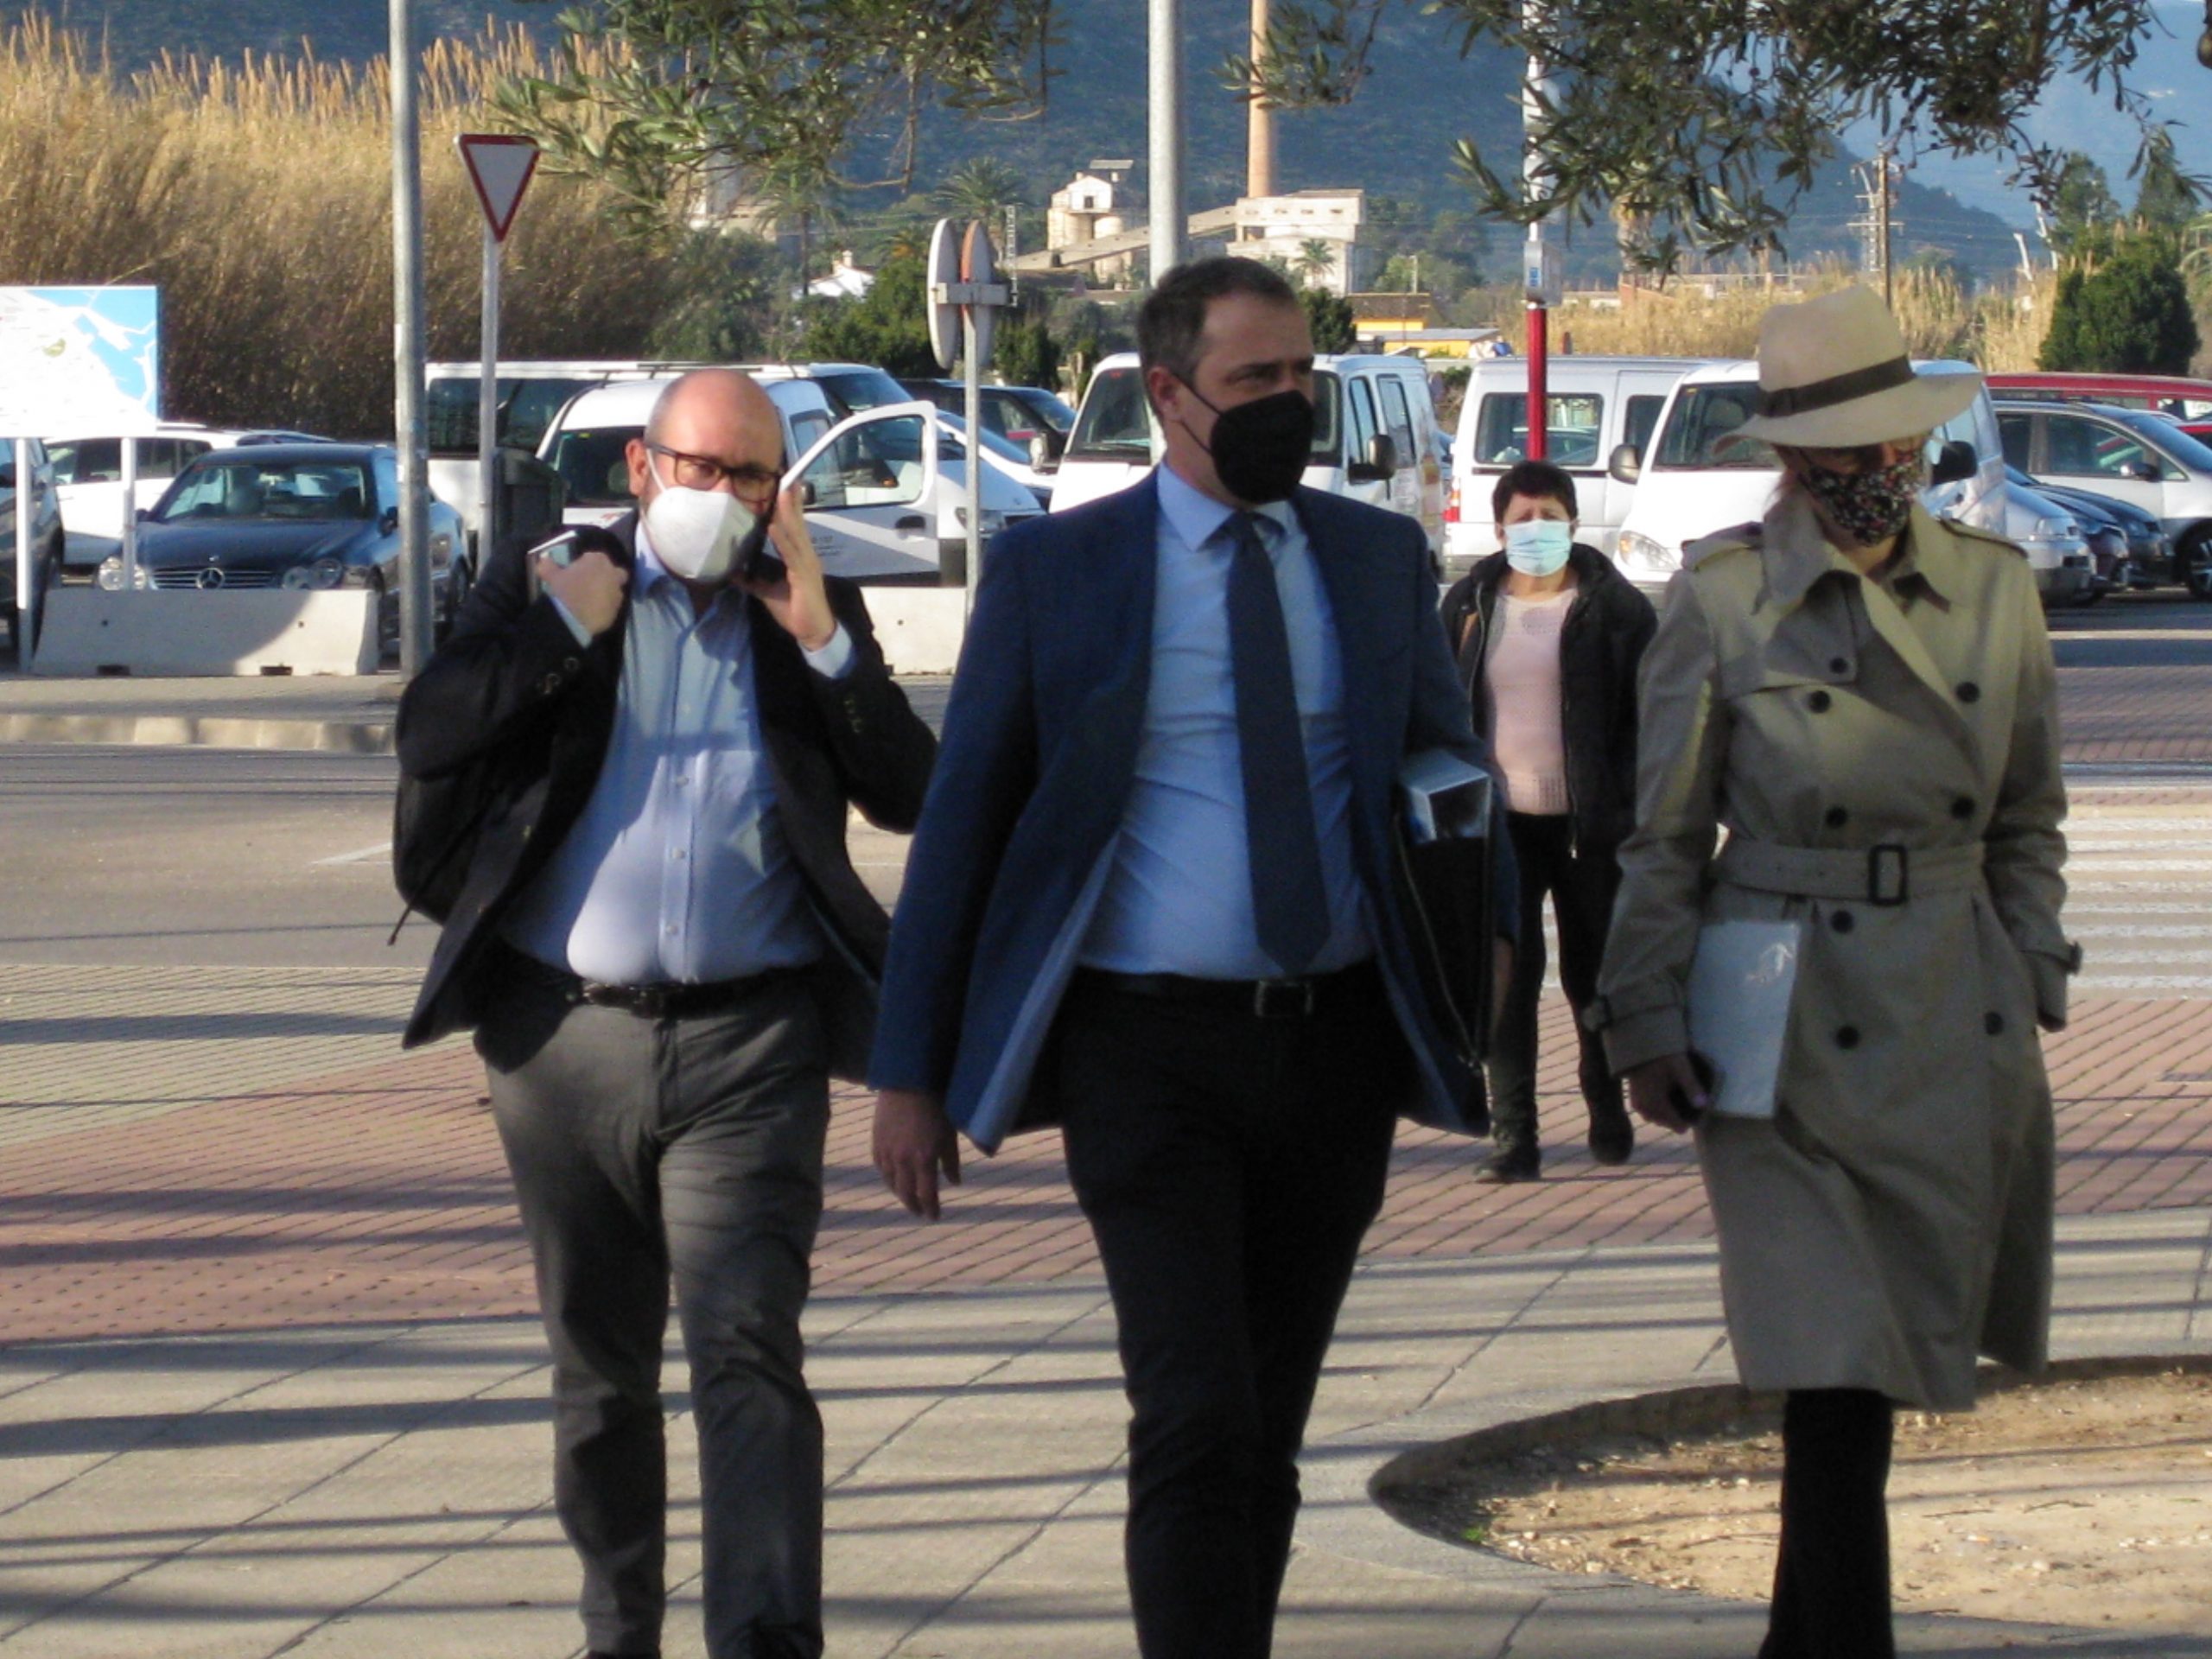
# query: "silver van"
{"points": [[1374, 437], [1595, 406]]}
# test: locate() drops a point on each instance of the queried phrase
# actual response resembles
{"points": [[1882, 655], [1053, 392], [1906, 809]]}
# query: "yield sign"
{"points": [[500, 166]]}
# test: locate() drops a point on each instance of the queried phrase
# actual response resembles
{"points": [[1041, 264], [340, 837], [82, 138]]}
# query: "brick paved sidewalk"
{"points": [[377, 1193]]}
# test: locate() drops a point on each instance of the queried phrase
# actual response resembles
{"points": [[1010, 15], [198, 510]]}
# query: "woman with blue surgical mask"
{"points": [[1548, 636]]}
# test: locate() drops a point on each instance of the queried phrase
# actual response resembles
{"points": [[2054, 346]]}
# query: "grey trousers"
{"points": [[643, 1149]]}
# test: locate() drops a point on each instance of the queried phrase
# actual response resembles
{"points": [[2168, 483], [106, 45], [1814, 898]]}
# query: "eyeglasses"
{"points": [[705, 473]]}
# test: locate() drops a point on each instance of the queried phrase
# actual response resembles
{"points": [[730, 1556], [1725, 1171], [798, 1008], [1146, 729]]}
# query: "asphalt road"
{"points": [[230, 858]]}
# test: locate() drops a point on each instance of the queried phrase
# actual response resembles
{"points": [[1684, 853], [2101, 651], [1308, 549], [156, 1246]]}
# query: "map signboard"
{"points": [[80, 359]]}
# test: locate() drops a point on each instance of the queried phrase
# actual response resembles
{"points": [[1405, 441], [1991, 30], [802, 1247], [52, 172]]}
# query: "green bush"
{"points": [[2122, 308]]}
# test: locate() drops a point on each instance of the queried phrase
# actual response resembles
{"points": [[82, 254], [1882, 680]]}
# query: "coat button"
{"points": [[1839, 665], [1994, 1024], [1818, 703], [1836, 817], [1962, 807], [1846, 1036], [1969, 692], [1841, 921]]}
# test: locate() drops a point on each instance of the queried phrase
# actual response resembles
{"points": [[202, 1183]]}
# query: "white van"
{"points": [[530, 393], [1697, 476], [888, 487], [1593, 406], [1374, 437]]}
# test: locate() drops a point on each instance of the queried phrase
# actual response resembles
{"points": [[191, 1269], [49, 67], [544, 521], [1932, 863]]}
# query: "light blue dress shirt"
{"points": [[1177, 896], [678, 868]]}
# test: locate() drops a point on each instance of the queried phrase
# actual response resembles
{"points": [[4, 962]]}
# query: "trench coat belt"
{"points": [[1885, 874]]}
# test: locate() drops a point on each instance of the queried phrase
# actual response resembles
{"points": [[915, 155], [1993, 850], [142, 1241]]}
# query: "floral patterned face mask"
{"points": [[1870, 507]]}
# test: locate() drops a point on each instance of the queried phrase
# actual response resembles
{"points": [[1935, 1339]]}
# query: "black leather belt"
{"points": [[673, 1000], [1263, 999]]}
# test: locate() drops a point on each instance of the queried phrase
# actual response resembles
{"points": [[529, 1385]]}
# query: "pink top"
{"points": [[1522, 669]]}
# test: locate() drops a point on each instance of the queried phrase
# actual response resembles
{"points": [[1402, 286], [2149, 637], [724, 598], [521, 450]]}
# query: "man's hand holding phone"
{"points": [[795, 595]]}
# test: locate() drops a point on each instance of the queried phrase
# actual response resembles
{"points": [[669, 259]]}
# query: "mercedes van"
{"points": [[887, 495], [1698, 475], [1594, 406], [1374, 437]]}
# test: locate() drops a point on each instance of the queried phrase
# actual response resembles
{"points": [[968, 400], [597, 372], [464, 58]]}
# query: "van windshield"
{"points": [[1117, 422], [1700, 434], [593, 464], [526, 409], [1572, 422]]}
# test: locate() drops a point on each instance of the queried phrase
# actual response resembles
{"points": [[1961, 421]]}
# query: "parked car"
{"points": [[46, 538], [88, 478], [2187, 401], [1599, 418], [1700, 476], [1373, 437], [2129, 454], [301, 516], [2052, 537], [1033, 420], [2143, 544]]}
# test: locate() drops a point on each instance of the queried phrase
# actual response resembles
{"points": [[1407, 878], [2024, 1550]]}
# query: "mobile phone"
{"points": [[1708, 1080], [756, 560], [564, 547]]}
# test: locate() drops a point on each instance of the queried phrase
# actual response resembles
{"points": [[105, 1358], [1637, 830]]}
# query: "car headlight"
{"points": [[2055, 529], [1636, 548], [325, 572], [110, 576]]}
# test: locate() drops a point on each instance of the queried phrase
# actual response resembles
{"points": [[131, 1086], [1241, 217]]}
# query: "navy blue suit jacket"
{"points": [[1034, 771]]}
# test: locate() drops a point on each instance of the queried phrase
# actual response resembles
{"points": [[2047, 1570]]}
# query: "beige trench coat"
{"points": [[1894, 1218]]}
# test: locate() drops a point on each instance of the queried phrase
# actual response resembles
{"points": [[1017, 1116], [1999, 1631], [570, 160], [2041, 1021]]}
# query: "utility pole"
{"points": [[1882, 220], [1166, 111], [1539, 257], [408, 429]]}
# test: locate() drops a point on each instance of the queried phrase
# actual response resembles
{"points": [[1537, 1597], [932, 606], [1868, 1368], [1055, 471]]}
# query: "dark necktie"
{"points": [[1290, 903]]}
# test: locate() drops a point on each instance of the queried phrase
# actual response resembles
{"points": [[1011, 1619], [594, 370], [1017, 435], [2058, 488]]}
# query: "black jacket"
{"points": [[1601, 643], [512, 691]]}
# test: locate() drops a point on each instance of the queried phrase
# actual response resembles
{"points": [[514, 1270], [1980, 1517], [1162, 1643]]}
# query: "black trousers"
{"points": [[645, 1148], [1832, 1575], [1581, 887], [1228, 1165]]}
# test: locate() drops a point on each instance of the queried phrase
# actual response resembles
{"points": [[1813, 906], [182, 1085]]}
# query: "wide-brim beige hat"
{"points": [[1834, 373]]}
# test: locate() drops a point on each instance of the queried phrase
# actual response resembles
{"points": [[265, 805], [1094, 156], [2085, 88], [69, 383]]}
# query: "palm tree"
{"points": [[980, 187], [1316, 257]]}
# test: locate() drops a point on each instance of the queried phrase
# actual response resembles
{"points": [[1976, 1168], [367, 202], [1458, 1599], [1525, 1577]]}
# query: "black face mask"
{"points": [[1260, 449]]}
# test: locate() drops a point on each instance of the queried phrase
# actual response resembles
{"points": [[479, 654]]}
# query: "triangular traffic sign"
{"points": [[500, 165]]}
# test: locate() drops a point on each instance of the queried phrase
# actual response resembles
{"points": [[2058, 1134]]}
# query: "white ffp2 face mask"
{"points": [[696, 533]]}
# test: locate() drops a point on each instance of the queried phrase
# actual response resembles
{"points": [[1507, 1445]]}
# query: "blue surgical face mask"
{"points": [[1537, 547]]}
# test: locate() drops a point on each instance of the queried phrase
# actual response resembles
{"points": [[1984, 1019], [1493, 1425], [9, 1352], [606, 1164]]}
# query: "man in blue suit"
{"points": [[1152, 899]]}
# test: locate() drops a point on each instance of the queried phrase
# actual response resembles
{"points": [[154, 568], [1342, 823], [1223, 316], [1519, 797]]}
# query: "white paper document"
{"points": [[1740, 984]]}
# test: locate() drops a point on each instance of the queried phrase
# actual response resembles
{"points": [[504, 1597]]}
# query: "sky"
{"points": [[2073, 118]]}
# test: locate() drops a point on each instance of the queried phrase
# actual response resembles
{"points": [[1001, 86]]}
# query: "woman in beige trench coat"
{"points": [[1862, 696]]}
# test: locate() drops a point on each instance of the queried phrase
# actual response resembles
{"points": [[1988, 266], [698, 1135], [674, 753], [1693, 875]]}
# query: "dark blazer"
{"points": [[1600, 648], [512, 690], [1040, 745]]}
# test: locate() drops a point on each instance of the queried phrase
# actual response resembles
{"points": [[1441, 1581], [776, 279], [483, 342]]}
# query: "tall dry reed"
{"points": [[257, 195], [2000, 328]]}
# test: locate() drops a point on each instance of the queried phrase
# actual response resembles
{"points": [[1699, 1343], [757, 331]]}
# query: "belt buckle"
{"points": [[1282, 999], [1875, 894]]}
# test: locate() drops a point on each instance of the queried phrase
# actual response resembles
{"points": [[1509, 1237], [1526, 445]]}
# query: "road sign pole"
{"points": [[27, 594], [974, 457], [129, 514], [488, 409], [415, 618], [1165, 102]]}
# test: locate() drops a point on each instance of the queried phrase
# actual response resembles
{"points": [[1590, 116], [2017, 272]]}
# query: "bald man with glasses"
{"points": [[665, 954]]}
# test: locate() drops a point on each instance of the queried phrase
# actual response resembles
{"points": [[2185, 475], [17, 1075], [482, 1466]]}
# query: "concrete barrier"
{"points": [[91, 631], [919, 628]]}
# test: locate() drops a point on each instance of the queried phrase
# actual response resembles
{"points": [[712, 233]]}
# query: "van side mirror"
{"points": [[387, 521], [1625, 464], [1045, 449], [1381, 460], [806, 492], [1954, 460], [2142, 472]]}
